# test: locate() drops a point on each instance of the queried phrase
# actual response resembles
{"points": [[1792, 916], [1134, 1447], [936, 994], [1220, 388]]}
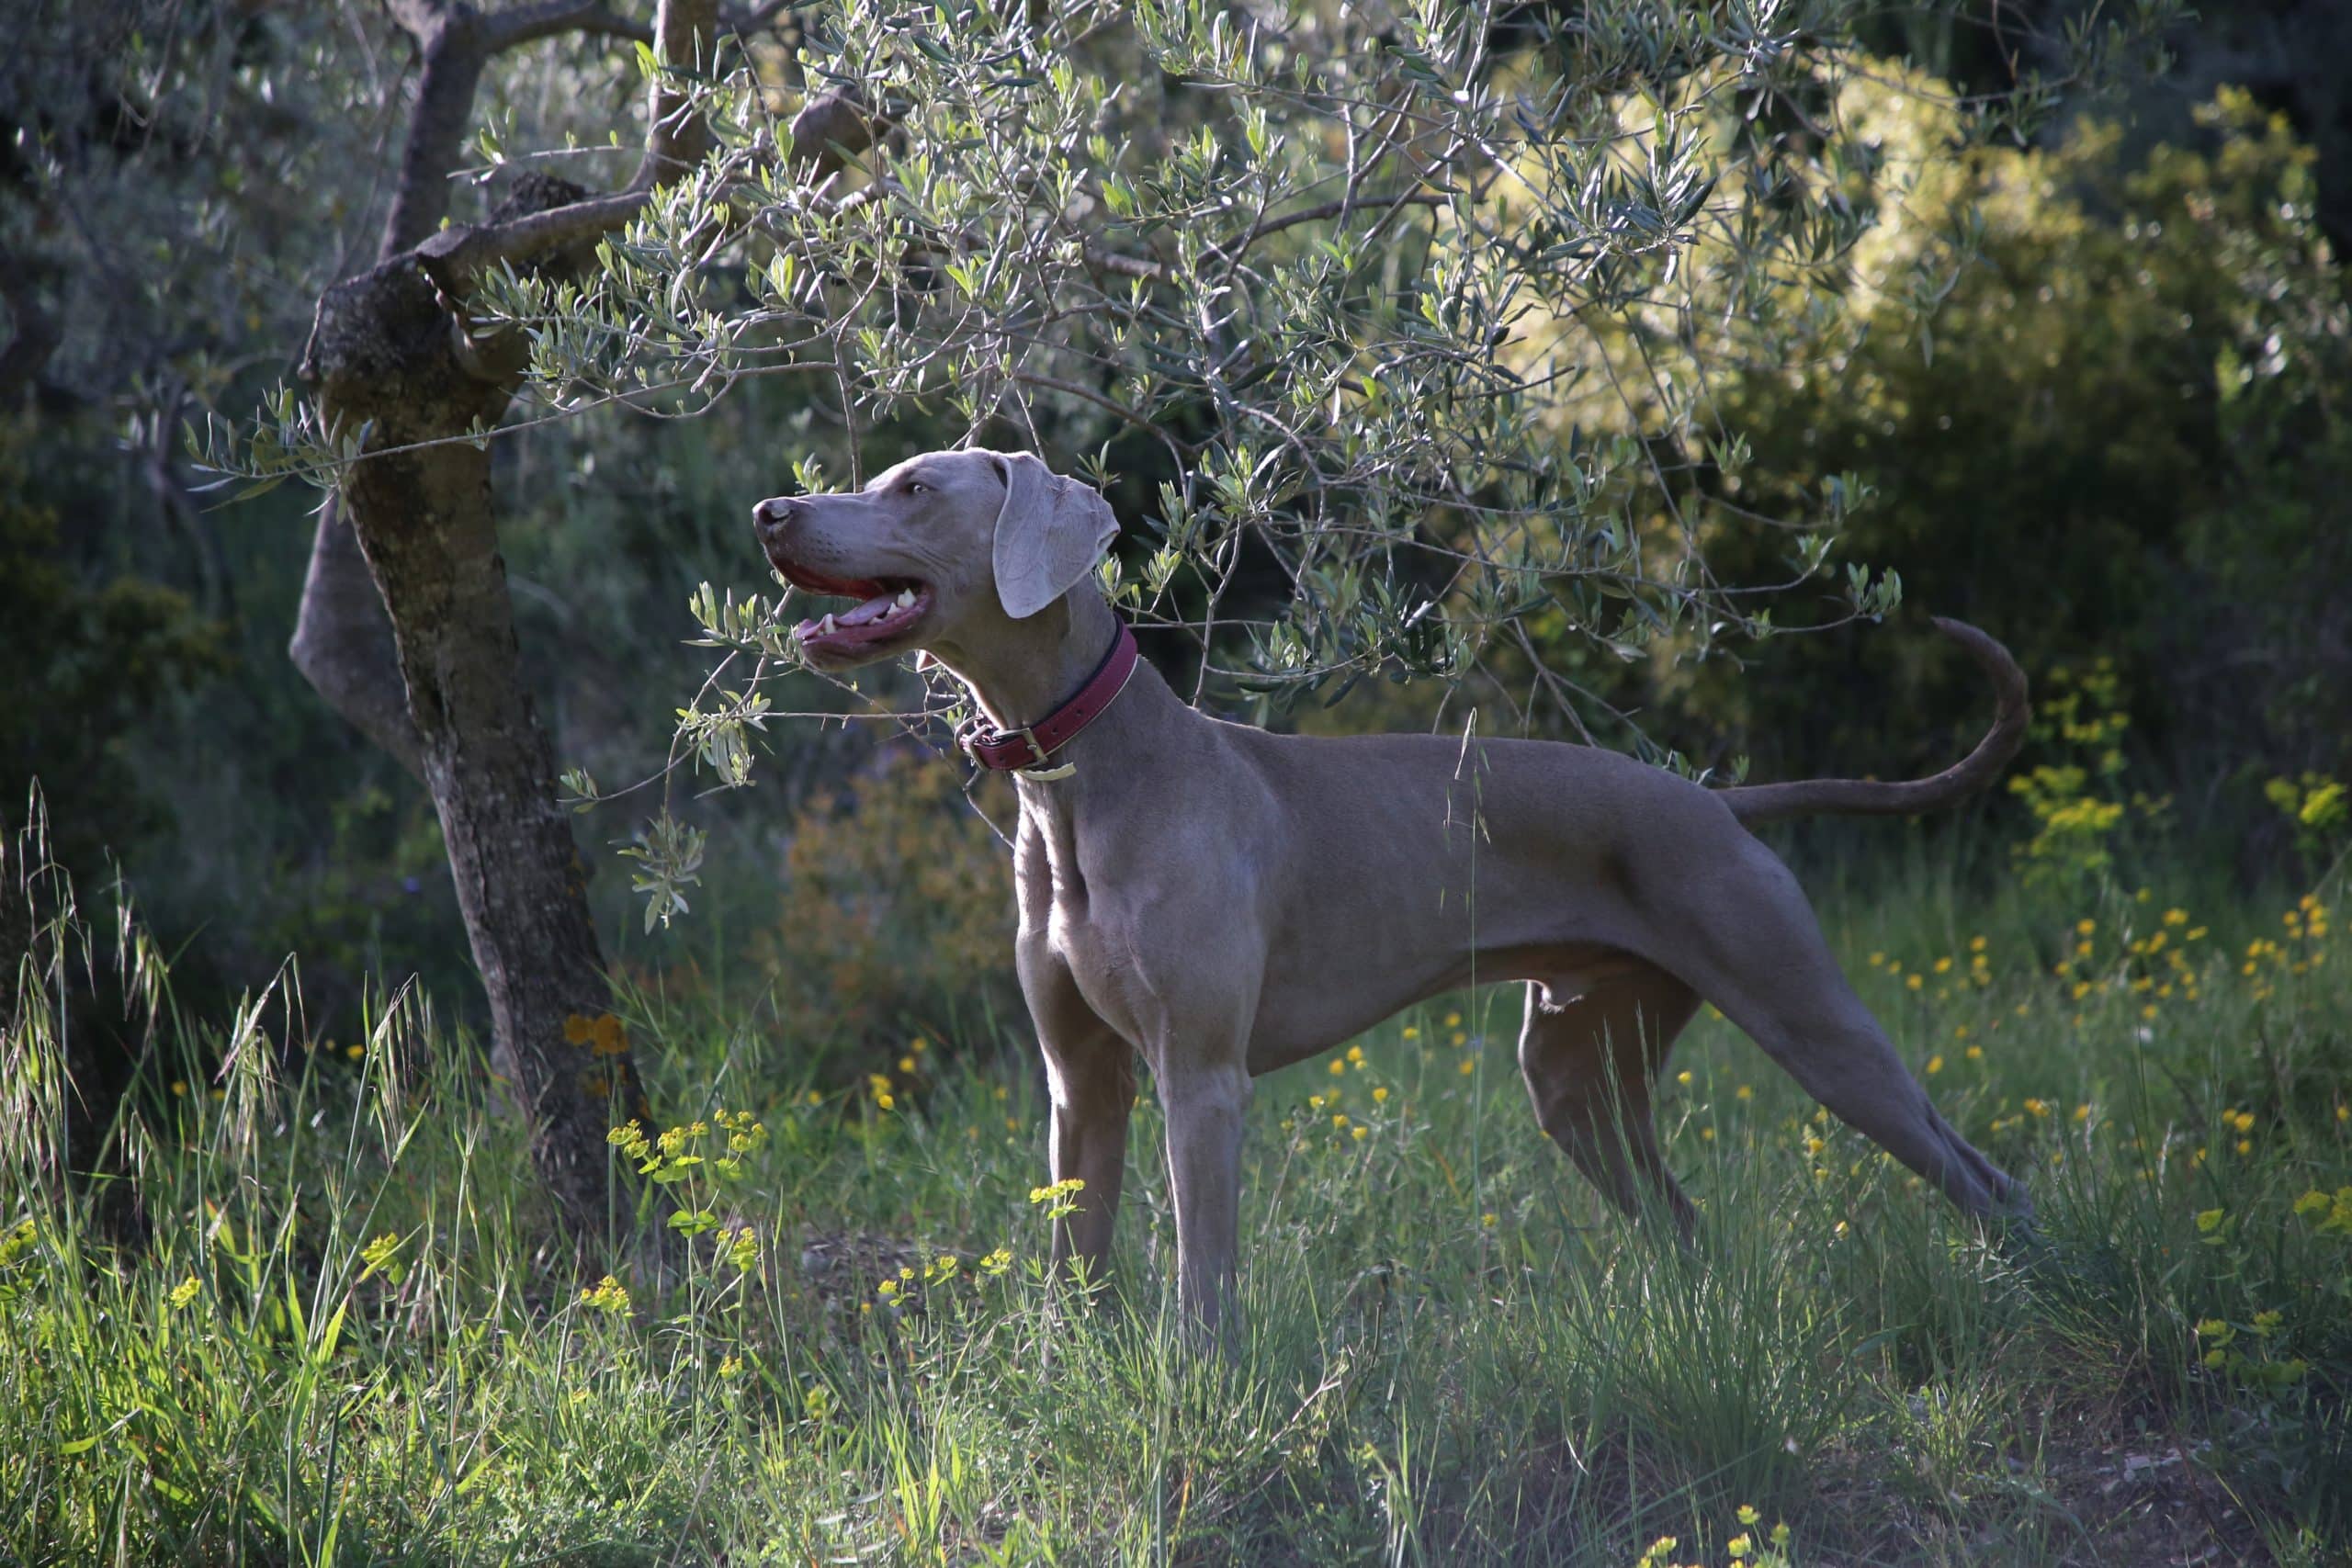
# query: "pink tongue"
{"points": [[874, 609]]}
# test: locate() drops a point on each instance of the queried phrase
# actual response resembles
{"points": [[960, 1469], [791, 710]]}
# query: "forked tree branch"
{"points": [[456, 42], [343, 641], [828, 130]]}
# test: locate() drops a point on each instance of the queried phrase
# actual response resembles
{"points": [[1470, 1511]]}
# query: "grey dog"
{"points": [[1226, 901]]}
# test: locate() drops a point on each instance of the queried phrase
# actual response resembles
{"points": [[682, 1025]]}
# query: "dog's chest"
{"points": [[1081, 909]]}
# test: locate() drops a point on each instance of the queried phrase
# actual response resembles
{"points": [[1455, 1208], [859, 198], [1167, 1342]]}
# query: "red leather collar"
{"points": [[1033, 746]]}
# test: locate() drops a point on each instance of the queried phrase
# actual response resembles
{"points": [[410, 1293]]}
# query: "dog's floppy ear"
{"points": [[1050, 534]]}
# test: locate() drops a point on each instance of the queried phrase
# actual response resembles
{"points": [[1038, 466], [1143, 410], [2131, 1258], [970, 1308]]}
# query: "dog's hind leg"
{"points": [[1589, 1061], [1749, 943]]}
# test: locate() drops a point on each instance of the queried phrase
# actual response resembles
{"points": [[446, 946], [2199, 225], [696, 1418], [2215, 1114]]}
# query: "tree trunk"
{"points": [[391, 354], [387, 350]]}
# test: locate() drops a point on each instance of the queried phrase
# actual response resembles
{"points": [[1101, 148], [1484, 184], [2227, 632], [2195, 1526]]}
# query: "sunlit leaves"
{"points": [[668, 855]]}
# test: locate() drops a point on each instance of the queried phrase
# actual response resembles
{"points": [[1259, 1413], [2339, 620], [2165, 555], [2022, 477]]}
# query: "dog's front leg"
{"points": [[1091, 1074], [1205, 1101], [1092, 1077]]}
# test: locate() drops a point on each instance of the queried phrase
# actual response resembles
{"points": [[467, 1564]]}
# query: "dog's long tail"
{"points": [[1765, 802]]}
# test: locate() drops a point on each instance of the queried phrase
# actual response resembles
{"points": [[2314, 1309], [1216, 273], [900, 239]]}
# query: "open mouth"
{"points": [[887, 608]]}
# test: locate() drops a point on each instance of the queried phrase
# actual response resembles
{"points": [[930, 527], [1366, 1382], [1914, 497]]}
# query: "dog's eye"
{"points": [[916, 487]]}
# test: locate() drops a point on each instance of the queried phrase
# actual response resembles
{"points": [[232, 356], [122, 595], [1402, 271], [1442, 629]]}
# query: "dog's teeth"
{"points": [[905, 597], [825, 628]]}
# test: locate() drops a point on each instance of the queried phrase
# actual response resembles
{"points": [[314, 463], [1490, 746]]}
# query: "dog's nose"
{"points": [[771, 516]]}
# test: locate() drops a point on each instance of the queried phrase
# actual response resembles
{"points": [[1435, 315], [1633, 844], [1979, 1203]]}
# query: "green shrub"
{"points": [[84, 665], [897, 902], [2106, 424]]}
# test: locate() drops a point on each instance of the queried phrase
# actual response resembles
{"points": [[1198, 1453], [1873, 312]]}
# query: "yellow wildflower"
{"points": [[607, 1295]]}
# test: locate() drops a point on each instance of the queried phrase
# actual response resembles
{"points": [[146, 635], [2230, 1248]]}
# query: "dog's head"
{"points": [[941, 550]]}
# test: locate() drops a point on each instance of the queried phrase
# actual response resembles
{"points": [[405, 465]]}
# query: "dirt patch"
{"points": [[2147, 1498], [2099, 1487]]}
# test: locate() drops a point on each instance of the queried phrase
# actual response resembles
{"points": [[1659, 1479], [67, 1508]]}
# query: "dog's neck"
{"points": [[1051, 656]]}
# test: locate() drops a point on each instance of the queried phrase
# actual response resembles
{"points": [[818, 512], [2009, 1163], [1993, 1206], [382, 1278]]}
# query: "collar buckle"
{"points": [[1030, 754]]}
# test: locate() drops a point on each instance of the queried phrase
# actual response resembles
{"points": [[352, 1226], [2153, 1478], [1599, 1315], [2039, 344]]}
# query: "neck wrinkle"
{"points": [[1062, 658]]}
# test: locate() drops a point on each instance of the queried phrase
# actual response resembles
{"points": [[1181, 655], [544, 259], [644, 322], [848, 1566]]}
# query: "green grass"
{"points": [[1451, 1353]]}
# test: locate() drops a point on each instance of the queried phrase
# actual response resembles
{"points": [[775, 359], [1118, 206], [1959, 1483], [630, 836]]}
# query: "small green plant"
{"points": [[2318, 808], [675, 1159], [2077, 799]]}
